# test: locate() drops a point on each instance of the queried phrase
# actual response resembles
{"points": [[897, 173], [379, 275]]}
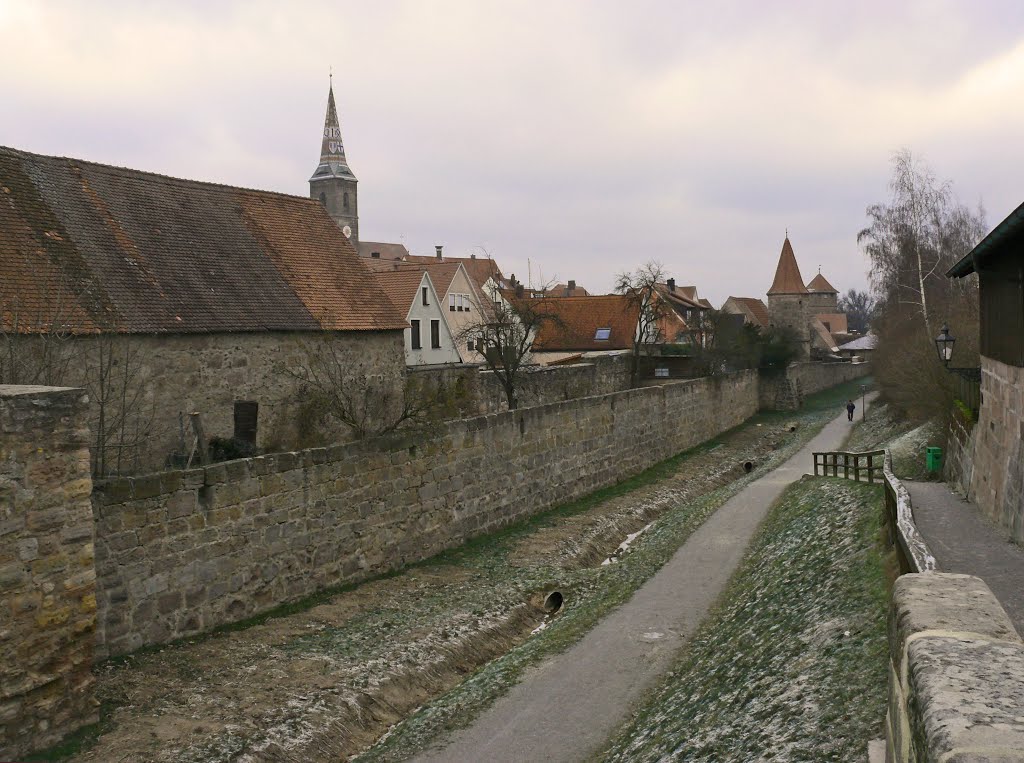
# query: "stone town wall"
{"points": [[997, 456], [183, 551], [543, 385], [207, 373], [786, 392], [47, 579], [956, 673]]}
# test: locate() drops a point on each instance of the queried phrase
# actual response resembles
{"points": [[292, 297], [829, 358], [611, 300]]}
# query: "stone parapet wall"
{"points": [[997, 455], [542, 385], [47, 580], [956, 673], [181, 552], [786, 392]]}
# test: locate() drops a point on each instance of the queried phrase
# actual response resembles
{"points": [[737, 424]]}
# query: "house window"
{"points": [[416, 344], [451, 302], [465, 301], [323, 199], [435, 334], [661, 373], [425, 301], [458, 302], [344, 203], [469, 345], [603, 334]]}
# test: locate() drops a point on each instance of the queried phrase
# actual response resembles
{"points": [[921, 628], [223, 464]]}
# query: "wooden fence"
{"points": [[876, 466], [869, 465]]}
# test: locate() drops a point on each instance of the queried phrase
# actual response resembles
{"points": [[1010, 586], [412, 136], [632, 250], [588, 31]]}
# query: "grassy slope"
{"points": [[595, 591], [885, 428], [791, 666]]}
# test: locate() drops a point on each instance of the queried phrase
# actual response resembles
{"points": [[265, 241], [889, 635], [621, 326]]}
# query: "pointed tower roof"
{"points": [[787, 274], [821, 284], [332, 151]]}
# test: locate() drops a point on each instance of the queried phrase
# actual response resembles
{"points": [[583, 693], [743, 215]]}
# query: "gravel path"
{"points": [[566, 708], [963, 540]]}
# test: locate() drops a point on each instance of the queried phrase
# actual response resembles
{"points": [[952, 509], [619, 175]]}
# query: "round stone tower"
{"points": [[788, 300]]}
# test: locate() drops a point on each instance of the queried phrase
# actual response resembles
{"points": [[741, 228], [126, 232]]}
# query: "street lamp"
{"points": [[944, 345]]}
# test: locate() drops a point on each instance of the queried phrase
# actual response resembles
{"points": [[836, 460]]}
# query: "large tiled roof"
{"points": [[579, 318], [113, 249], [820, 283], [787, 273]]}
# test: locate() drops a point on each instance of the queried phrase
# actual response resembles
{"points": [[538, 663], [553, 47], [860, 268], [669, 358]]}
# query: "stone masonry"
{"points": [[181, 552], [997, 479], [956, 673], [47, 578], [786, 392]]}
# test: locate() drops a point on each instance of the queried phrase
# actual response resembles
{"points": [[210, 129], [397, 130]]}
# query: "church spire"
{"points": [[332, 151], [333, 182]]}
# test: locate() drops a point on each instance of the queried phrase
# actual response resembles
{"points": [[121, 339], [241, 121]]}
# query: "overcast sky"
{"points": [[587, 137]]}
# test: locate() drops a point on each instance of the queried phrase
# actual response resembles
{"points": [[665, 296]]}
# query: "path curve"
{"points": [[567, 707]]}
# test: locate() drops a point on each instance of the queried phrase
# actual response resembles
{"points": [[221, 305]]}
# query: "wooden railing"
{"points": [[869, 465], [911, 550]]}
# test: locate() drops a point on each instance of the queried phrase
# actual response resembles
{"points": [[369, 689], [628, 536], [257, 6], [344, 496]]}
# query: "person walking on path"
{"points": [[850, 408]]}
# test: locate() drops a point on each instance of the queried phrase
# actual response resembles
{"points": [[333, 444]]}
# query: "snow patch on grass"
{"points": [[792, 664]]}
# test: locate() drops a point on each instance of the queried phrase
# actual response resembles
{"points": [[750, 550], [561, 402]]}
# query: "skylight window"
{"points": [[603, 334]]}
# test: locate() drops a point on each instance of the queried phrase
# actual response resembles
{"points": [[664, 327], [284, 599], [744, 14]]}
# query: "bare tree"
{"points": [[916, 236], [121, 419], [35, 335], [859, 307], [367, 404], [640, 288], [504, 332]]}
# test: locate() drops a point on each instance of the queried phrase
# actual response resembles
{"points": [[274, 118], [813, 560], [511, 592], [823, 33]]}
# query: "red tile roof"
{"points": [[137, 252], [787, 273], [820, 283], [581, 317]]}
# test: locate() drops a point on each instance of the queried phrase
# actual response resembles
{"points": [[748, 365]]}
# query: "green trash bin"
{"points": [[933, 459]]}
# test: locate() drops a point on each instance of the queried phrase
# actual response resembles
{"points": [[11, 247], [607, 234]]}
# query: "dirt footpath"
{"points": [[324, 683]]}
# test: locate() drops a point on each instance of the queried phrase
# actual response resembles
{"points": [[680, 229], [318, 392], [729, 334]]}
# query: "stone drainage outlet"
{"points": [[549, 602], [748, 466]]}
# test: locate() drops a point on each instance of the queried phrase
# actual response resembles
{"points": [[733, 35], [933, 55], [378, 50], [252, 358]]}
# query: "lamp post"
{"points": [[863, 393], [944, 345]]}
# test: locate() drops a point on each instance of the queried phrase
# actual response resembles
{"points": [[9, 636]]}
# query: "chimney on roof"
{"points": [[375, 255], [671, 284], [572, 285], [438, 249], [472, 256]]}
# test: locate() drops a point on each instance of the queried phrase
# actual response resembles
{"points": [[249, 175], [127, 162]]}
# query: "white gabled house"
{"points": [[428, 338]]}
